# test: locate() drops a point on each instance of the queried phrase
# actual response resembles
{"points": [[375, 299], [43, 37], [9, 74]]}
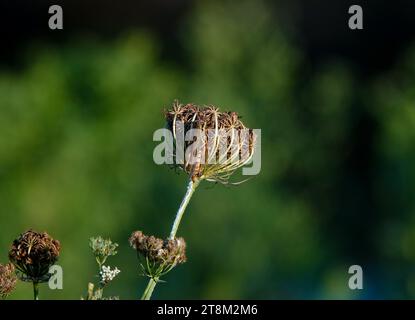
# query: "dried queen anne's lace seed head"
{"points": [[8, 279], [223, 143], [160, 256], [33, 253]]}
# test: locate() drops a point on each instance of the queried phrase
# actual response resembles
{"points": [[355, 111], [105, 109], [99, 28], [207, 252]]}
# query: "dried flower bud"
{"points": [[32, 254], [176, 249], [221, 146], [137, 240], [102, 249], [8, 279], [160, 255]]}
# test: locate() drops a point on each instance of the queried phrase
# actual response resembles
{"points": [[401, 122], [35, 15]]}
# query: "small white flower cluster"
{"points": [[107, 275]]}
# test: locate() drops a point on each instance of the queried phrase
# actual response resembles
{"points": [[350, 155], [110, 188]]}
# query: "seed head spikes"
{"points": [[216, 143]]}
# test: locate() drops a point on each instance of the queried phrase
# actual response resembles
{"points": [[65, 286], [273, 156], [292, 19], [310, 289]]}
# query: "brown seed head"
{"points": [[33, 253], [161, 254], [224, 144]]}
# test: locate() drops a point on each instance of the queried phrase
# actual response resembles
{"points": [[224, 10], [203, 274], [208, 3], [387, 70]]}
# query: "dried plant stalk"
{"points": [[224, 145]]}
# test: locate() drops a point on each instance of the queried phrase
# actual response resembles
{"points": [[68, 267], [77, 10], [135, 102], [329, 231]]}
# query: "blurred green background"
{"points": [[337, 181]]}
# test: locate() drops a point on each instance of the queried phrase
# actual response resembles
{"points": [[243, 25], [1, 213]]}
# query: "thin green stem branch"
{"points": [[191, 187]]}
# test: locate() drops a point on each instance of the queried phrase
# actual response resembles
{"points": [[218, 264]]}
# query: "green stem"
{"points": [[149, 290], [36, 290], [191, 187]]}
